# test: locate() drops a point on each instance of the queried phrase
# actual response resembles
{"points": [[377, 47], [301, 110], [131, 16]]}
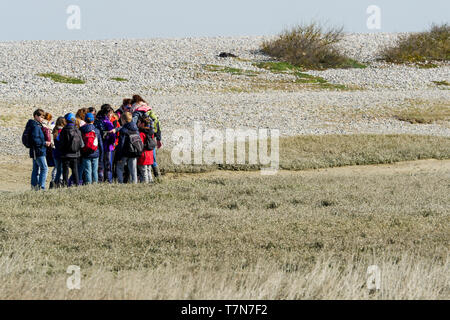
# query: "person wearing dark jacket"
{"points": [[38, 150], [122, 156], [89, 157], [71, 144]]}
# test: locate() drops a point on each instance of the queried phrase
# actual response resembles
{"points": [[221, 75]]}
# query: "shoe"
{"points": [[52, 185]]}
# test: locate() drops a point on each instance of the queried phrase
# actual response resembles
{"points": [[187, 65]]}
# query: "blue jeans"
{"points": [[39, 173], [58, 167], [131, 162], [105, 167], [89, 170]]}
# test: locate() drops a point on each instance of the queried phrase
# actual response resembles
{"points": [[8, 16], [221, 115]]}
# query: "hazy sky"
{"points": [[105, 19]]}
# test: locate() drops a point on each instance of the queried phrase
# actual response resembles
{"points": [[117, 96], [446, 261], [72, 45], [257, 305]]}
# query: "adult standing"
{"points": [[33, 138]]}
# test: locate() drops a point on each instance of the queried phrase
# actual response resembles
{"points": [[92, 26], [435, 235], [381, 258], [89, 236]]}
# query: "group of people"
{"points": [[95, 146]]}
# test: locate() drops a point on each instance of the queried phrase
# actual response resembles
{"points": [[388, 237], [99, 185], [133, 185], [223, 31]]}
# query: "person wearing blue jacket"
{"points": [[38, 150], [89, 159]]}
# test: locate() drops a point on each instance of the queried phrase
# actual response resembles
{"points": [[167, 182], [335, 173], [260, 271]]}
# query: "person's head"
{"points": [[89, 118], [38, 115], [70, 118], [48, 117], [81, 113], [126, 117], [92, 110], [126, 105], [106, 110], [137, 99], [59, 124], [143, 122]]}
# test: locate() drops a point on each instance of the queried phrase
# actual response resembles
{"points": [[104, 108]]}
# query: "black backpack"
{"points": [[149, 144], [73, 141], [133, 146], [26, 135]]}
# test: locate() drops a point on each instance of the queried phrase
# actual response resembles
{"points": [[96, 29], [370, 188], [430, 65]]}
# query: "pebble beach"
{"points": [[175, 77]]}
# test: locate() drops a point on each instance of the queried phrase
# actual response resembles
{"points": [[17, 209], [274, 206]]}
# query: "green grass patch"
{"points": [[230, 70], [426, 65], [61, 79], [3, 82], [432, 45], [277, 66], [119, 79]]}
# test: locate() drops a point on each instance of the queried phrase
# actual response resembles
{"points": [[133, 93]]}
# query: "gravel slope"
{"points": [[169, 73]]}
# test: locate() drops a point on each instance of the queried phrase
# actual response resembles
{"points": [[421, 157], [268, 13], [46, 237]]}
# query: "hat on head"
{"points": [[89, 117], [70, 117]]}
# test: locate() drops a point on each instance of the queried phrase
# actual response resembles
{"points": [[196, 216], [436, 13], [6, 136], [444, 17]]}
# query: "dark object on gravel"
{"points": [[227, 55]]}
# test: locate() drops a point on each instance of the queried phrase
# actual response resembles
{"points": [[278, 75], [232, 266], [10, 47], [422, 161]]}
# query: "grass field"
{"points": [[295, 235], [238, 235]]}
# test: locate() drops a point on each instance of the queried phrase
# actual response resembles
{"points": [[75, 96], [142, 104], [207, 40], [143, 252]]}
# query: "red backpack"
{"points": [[90, 142]]}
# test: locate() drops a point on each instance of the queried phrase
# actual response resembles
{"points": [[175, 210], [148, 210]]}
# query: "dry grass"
{"points": [[311, 47], [432, 45], [288, 236], [311, 152], [426, 113]]}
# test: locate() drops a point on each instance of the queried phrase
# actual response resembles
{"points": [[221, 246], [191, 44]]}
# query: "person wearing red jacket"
{"points": [[145, 161]]}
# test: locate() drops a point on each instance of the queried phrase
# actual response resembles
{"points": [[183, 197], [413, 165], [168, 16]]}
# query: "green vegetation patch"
{"points": [[3, 82], [277, 66], [432, 45], [310, 47], [230, 70], [61, 79], [119, 79]]}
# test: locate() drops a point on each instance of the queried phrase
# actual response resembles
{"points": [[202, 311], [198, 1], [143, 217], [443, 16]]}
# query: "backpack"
{"points": [[90, 142], [133, 146], [74, 142], [149, 143], [26, 136]]}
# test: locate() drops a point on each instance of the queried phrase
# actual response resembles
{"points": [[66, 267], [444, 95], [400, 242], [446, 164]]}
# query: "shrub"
{"points": [[311, 47], [419, 47]]}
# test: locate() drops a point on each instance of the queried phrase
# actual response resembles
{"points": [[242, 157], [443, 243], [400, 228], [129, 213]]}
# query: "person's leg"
{"points": [[82, 170], [95, 170], [149, 173], [65, 167], [119, 170], [108, 166], [34, 174], [133, 170], [87, 167], [43, 170], [142, 173], [101, 170], [75, 174], [155, 165], [58, 166]]}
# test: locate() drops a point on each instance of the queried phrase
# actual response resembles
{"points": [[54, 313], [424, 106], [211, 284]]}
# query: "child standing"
{"points": [[71, 144], [57, 170], [92, 151], [145, 161]]}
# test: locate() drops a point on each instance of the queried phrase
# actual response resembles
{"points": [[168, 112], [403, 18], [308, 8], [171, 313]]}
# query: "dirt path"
{"points": [[15, 172], [406, 167]]}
